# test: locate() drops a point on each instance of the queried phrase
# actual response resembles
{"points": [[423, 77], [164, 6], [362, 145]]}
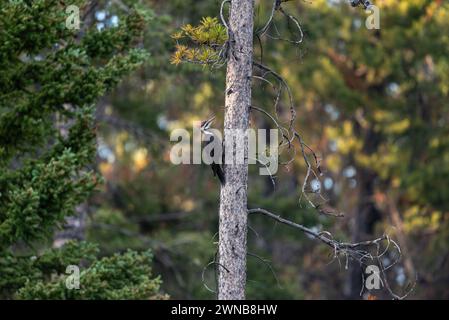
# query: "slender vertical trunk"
{"points": [[233, 198], [367, 213], [366, 216]]}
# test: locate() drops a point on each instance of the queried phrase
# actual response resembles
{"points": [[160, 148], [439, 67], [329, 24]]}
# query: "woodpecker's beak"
{"points": [[207, 123]]}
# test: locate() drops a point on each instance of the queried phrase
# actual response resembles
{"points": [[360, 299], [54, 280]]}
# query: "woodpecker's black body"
{"points": [[216, 167], [218, 171]]}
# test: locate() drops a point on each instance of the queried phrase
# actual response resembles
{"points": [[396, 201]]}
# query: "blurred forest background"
{"points": [[372, 103]]}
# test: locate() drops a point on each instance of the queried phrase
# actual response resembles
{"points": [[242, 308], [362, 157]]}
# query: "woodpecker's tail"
{"points": [[218, 171], [220, 175]]}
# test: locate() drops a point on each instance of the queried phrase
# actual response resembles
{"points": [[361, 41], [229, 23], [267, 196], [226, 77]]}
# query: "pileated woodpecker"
{"points": [[216, 167]]}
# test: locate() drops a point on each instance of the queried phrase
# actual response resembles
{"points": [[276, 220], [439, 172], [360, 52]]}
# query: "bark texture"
{"points": [[233, 197]]}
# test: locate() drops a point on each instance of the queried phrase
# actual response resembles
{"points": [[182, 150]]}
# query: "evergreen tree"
{"points": [[386, 94], [53, 73]]}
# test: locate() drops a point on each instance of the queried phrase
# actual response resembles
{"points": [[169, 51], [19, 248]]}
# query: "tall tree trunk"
{"points": [[367, 214], [233, 197]]}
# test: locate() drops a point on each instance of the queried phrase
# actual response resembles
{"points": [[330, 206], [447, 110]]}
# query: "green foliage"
{"points": [[122, 276], [388, 90], [34, 87], [51, 73], [17, 270], [204, 42], [51, 78]]}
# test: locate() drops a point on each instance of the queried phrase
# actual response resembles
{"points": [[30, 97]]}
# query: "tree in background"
{"points": [[51, 72], [146, 201], [382, 99]]}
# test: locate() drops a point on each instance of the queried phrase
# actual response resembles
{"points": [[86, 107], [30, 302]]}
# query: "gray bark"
{"points": [[233, 197]]}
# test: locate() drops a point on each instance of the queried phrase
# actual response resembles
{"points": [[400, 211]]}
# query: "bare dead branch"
{"points": [[322, 236], [282, 83], [263, 30], [277, 7], [357, 251]]}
